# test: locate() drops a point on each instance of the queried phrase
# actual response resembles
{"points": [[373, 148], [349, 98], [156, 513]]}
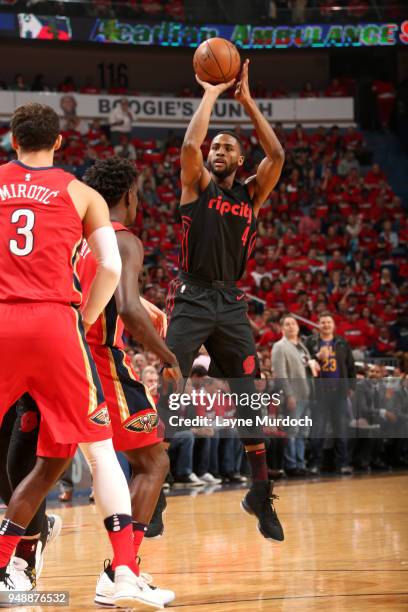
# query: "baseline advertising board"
{"points": [[177, 112]]}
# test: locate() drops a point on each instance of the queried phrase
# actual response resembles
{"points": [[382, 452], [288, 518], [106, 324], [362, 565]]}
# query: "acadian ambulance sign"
{"points": [[174, 34], [177, 112], [250, 37]]}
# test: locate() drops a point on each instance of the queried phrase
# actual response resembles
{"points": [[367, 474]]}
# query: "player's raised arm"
{"points": [[194, 176], [130, 308], [101, 239], [270, 168]]}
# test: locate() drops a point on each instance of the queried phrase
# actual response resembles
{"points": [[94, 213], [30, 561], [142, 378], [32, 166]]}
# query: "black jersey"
{"points": [[219, 232]]}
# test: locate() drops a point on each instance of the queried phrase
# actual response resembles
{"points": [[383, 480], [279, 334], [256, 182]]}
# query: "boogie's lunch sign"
{"points": [[177, 112]]}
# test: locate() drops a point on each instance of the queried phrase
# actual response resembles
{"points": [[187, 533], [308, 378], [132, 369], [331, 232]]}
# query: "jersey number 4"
{"points": [[25, 230], [245, 236]]}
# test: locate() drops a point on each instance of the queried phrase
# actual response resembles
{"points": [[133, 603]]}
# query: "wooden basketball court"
{"points": [[346, 548]]}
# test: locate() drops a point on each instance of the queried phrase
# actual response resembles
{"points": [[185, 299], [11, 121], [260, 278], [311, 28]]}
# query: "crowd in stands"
{"points": [[331, 237], [203, 458], [375, 438], [337, 88], [301, 11], [257, 11], [131, 9]]}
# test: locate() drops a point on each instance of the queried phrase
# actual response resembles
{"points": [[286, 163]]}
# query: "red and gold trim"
{"points": [[120, 396], [93, 396]]}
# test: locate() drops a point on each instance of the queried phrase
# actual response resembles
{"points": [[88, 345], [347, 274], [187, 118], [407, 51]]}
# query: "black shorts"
{"points": [[25, 412], [215, 317]]}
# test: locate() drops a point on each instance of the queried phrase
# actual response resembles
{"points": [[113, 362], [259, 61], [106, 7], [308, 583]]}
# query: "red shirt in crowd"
{"points": [[355, 333]]}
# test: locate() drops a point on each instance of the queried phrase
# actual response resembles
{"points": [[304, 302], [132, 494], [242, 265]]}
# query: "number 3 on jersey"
{"points": [[25, 231]]}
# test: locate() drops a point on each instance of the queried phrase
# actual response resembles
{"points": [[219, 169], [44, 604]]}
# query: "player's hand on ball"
{"points": [[242, 93], [217, 89]]}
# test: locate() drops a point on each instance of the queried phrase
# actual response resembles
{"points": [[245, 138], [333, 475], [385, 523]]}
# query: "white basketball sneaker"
{"points": [[18, 569], [23, 577], [105, 588], [7, 582], [131, 590]]}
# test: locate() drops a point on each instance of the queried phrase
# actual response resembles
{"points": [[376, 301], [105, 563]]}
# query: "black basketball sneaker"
{"points": [[259, 502]]}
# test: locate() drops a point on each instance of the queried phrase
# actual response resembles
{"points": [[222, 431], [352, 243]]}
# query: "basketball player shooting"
{"points": [[219, 230]]}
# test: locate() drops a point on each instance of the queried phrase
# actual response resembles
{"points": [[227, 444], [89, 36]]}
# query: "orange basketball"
{"points": [[217, 60]]}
